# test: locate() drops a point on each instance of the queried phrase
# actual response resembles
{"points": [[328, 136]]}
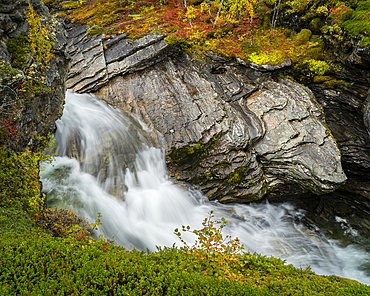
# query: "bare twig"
{"points": [[218, 13]]}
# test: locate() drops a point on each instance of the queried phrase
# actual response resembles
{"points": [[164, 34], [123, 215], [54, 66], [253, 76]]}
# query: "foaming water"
{"points": [[150, 206]]}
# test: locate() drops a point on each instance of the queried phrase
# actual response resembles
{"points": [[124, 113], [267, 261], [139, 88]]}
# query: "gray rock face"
{"points": [[367, 114], [92, 66], [228, 128], [267, 67], [36, 115]]}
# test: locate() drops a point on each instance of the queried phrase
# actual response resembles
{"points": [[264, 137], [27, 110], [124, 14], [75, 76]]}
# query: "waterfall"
{"points": [[107, 163]]}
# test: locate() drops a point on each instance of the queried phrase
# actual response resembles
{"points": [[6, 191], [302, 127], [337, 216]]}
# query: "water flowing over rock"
{"points": [[234, 131]]}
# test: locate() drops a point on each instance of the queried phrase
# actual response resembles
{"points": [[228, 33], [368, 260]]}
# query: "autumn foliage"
{"points": [[192, 27], [219, 255]]}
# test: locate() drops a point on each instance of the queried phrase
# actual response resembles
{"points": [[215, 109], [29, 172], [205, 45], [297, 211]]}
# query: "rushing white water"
{"points": [[114, 157]]}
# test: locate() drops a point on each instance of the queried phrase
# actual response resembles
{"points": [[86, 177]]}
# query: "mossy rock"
{"points": [[70, 4], [303, 36], [358, 21], [316, 24], [321, 79], [7, 72], [19, 48]]}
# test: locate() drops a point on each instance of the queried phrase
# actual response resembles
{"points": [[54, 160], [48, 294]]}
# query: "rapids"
{"points": [[107, 163]]}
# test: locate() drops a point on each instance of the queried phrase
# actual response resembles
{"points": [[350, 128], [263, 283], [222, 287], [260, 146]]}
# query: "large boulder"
{"points": [[232, 130]]}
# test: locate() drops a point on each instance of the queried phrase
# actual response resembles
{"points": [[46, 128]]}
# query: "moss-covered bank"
{"points": [[36, 263]]}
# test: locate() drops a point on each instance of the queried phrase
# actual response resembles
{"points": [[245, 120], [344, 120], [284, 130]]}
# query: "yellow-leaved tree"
{"points": [[233, 10]]}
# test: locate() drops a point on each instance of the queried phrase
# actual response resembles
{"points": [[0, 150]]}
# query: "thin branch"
{"points": [[218, 13], [251, 23], [272, 20], [228, 18], [275, 17], [209, 10], [191, 27]]}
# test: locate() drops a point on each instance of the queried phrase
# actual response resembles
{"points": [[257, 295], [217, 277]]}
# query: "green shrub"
{"points": [[19, 174], [297, 5], [19, 179], [337, 14], [216, 254], [39, 264], [58, 221], [14, 220], [317, 67]]}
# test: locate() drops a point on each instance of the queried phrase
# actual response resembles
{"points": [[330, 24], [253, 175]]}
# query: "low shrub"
{"points": [[58, 221], [39, 264], [317, 67]]}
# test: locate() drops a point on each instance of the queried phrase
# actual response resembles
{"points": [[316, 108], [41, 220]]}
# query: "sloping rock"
{"points": [[230, 129], [92, 66], [237, 134]]}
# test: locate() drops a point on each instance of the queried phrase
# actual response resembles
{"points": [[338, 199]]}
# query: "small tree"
{"points": [[218, 254]]}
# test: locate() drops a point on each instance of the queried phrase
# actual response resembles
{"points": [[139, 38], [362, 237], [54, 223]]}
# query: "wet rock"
{"points": [[296, 145], [230, 129], [235, 136]]}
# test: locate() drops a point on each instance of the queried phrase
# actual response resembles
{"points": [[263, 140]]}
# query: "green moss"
{"points": [[303, 36], [192, 155], [95, 30], [19, 48], [223, 164], [320, 79], [333, 84], [186, 154], [7, 72], [296, 5], [70, 4], [266, 57], [358, 21], [316, 24], [235, 178], [317, 67]]}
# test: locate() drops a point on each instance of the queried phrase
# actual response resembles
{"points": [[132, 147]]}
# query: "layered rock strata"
{"points": [[234, 131]]}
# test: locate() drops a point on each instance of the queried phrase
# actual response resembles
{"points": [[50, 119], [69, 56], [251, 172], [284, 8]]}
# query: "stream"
{"points": [[107, 162]]}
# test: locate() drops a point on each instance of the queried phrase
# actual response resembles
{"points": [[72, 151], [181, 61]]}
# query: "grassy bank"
{"points": [[34, 262]]}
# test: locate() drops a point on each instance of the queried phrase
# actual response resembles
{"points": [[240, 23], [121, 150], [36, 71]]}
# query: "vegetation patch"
{"points": [[238, 31], [358, 21], [317, 67], [39, 264], [7, 72]]}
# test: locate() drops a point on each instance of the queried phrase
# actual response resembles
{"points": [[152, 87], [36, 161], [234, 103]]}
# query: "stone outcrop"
{"points": [[367, 113], [96, 60], [34, 113], [236, 132]]}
